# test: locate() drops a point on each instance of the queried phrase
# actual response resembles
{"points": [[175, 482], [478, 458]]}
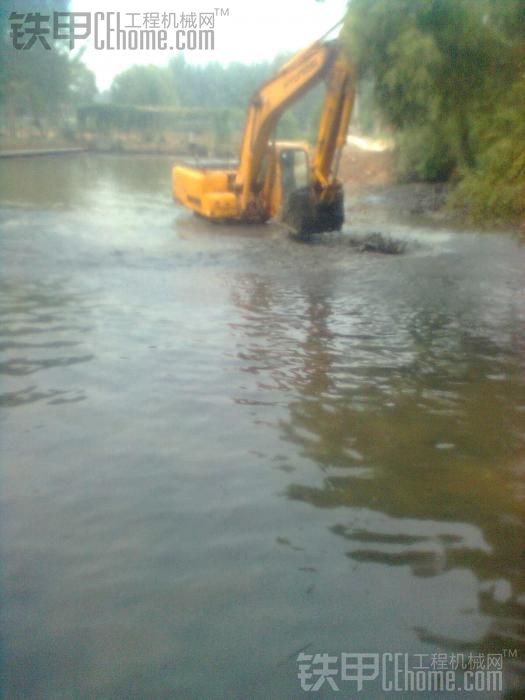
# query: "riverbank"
{"points": [[367, 170], [375, 196], [34, 152]]}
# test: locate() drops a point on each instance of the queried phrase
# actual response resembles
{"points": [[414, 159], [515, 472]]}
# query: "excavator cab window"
{"points": [[294, 170], [301, 168]]}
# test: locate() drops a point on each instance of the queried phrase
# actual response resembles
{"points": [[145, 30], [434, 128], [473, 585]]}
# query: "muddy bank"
{"points": [[410, 203], [373, 195]]}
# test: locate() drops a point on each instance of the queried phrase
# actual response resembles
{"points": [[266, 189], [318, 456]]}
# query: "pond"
{"points": [[223, 448]]}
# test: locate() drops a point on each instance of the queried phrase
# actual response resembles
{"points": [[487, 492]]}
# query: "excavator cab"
{"points": [[295, 196], [297, 200], [285, 168], [294, 166]]}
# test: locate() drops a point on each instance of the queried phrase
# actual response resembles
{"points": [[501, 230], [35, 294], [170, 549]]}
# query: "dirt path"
{"points": [[366, 163]]}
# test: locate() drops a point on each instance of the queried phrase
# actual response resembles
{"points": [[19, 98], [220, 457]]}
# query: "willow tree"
{"points": [[449, 78]]}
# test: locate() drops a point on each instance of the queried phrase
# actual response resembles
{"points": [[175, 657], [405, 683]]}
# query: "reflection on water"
{"points": [[70, 181], [412, 414], [27, 313], [222, 447]]}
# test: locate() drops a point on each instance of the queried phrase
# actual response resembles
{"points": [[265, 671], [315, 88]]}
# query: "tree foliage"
{"points": [[218, 86], [143, 85], [40, 84], [448, 77], [495, 189], [226, 89]]}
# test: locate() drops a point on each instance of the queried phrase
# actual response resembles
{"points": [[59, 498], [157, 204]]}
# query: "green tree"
{"points": [[82, 83], [143, 85], [448, 77], [38, 83]]}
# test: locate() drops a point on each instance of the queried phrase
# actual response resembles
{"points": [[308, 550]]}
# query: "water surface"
{"points": [[221, 447]]}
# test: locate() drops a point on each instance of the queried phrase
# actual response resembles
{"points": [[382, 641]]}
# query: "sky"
{"points": [[252, 31]]}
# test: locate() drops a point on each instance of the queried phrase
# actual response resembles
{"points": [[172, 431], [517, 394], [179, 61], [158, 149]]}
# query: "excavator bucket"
{"points": [[306, 216]]}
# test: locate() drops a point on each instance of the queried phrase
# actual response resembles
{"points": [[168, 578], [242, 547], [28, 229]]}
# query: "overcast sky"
{"points": [[253, 31]]}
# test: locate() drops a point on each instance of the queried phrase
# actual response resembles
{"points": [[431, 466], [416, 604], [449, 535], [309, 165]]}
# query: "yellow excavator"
{"points": [[281, 179]]}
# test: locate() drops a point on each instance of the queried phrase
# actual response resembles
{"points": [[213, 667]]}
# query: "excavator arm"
{"points": [[333, 125], [294, 79]]}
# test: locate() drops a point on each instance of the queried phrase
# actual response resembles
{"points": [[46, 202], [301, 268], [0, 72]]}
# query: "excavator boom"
{"points": [[294, 79], [335, 118]]}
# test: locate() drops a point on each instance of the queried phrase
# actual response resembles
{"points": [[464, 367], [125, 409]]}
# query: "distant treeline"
{"points": [[449, 77], [211, 87], [194, 129], [109, 116]]}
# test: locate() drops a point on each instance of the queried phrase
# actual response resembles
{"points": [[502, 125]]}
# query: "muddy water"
{"points": [[221, 447]]}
